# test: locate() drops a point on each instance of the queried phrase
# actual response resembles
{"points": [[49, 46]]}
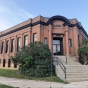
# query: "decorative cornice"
{"points": [[67, 23], [79, 27], [25, 26]]}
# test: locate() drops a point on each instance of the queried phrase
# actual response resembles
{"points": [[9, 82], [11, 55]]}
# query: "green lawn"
{"points": [[15, 74], [5, 86]]}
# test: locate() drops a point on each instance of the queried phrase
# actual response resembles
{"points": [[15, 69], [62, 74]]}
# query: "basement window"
{"points": [[4, 62], [9, 63], [15, 66]]}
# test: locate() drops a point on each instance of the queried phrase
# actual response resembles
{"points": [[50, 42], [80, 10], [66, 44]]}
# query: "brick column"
{"points": [[15, 44], [4, 48], [1, 63], [21, 41], [39, 33], [80, 38], [50, 38], [9, 46], [66, 36], [29, 35], [6, 63], [75, 34], [0, 46]]}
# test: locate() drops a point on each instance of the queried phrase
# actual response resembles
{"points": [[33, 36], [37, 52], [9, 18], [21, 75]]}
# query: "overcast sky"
{"points": [[13, 12]]}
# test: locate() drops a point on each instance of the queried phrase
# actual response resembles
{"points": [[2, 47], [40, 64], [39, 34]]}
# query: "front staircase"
{"points": [[74, 70]]}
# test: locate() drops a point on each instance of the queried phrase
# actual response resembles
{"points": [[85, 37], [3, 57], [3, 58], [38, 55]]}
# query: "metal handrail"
{"points": [[61, 65], [66, 59]]}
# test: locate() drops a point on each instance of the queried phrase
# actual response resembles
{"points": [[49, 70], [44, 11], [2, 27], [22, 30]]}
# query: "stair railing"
{"points": [[66, 59], [61, 65]]}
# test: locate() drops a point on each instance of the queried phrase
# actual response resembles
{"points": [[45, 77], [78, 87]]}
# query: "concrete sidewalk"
{"points": [[82, 84], [24, 83]]}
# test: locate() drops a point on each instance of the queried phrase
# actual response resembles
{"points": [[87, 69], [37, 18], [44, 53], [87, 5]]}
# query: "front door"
{"points": [[57, 47]]}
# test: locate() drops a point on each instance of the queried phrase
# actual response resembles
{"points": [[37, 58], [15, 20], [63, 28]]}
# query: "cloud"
{"points": [[11, 14]]}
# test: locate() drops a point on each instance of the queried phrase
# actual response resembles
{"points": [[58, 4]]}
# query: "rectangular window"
{"points": [[34, 37], [70, 43], [18, 44], [45, 41], [4, 62], [25, 40], [12, 45], [15, 66], [2, 48], [7, 46]]}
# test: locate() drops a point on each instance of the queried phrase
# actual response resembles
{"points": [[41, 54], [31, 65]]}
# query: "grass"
{"points": [[15, 74], [5, 86]]}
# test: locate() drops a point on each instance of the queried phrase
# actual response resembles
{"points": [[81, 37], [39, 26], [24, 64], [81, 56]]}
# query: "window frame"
{"points": [[2, 47], [18, 44], [45, 40], [34, 37], [70, 42], [25, 40], [12, 45], [7, 46]]}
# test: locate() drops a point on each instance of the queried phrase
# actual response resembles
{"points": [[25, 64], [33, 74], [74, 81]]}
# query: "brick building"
{"points": [[62, 35]]}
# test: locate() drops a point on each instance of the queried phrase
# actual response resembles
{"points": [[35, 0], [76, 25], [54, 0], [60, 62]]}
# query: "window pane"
{"points": [[58, 48], [70, 43], [6, 46], [25, 40], [56, 41], [54, 48], [45, 41], [34, 37], [12, 45]]}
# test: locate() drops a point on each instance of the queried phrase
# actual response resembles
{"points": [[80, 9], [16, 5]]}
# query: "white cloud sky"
{"points": [[11, 14]]}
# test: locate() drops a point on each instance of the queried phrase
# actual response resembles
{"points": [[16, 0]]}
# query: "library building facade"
{"points": [[63, 36]]}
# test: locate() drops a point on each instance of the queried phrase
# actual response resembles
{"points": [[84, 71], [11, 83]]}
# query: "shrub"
{"points": [[35, 60], [83, 52]]}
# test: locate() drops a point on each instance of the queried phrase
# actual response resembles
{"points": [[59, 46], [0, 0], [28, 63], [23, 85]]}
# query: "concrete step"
{"points": [[74, 70], [76, 79], [78, 76]]}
